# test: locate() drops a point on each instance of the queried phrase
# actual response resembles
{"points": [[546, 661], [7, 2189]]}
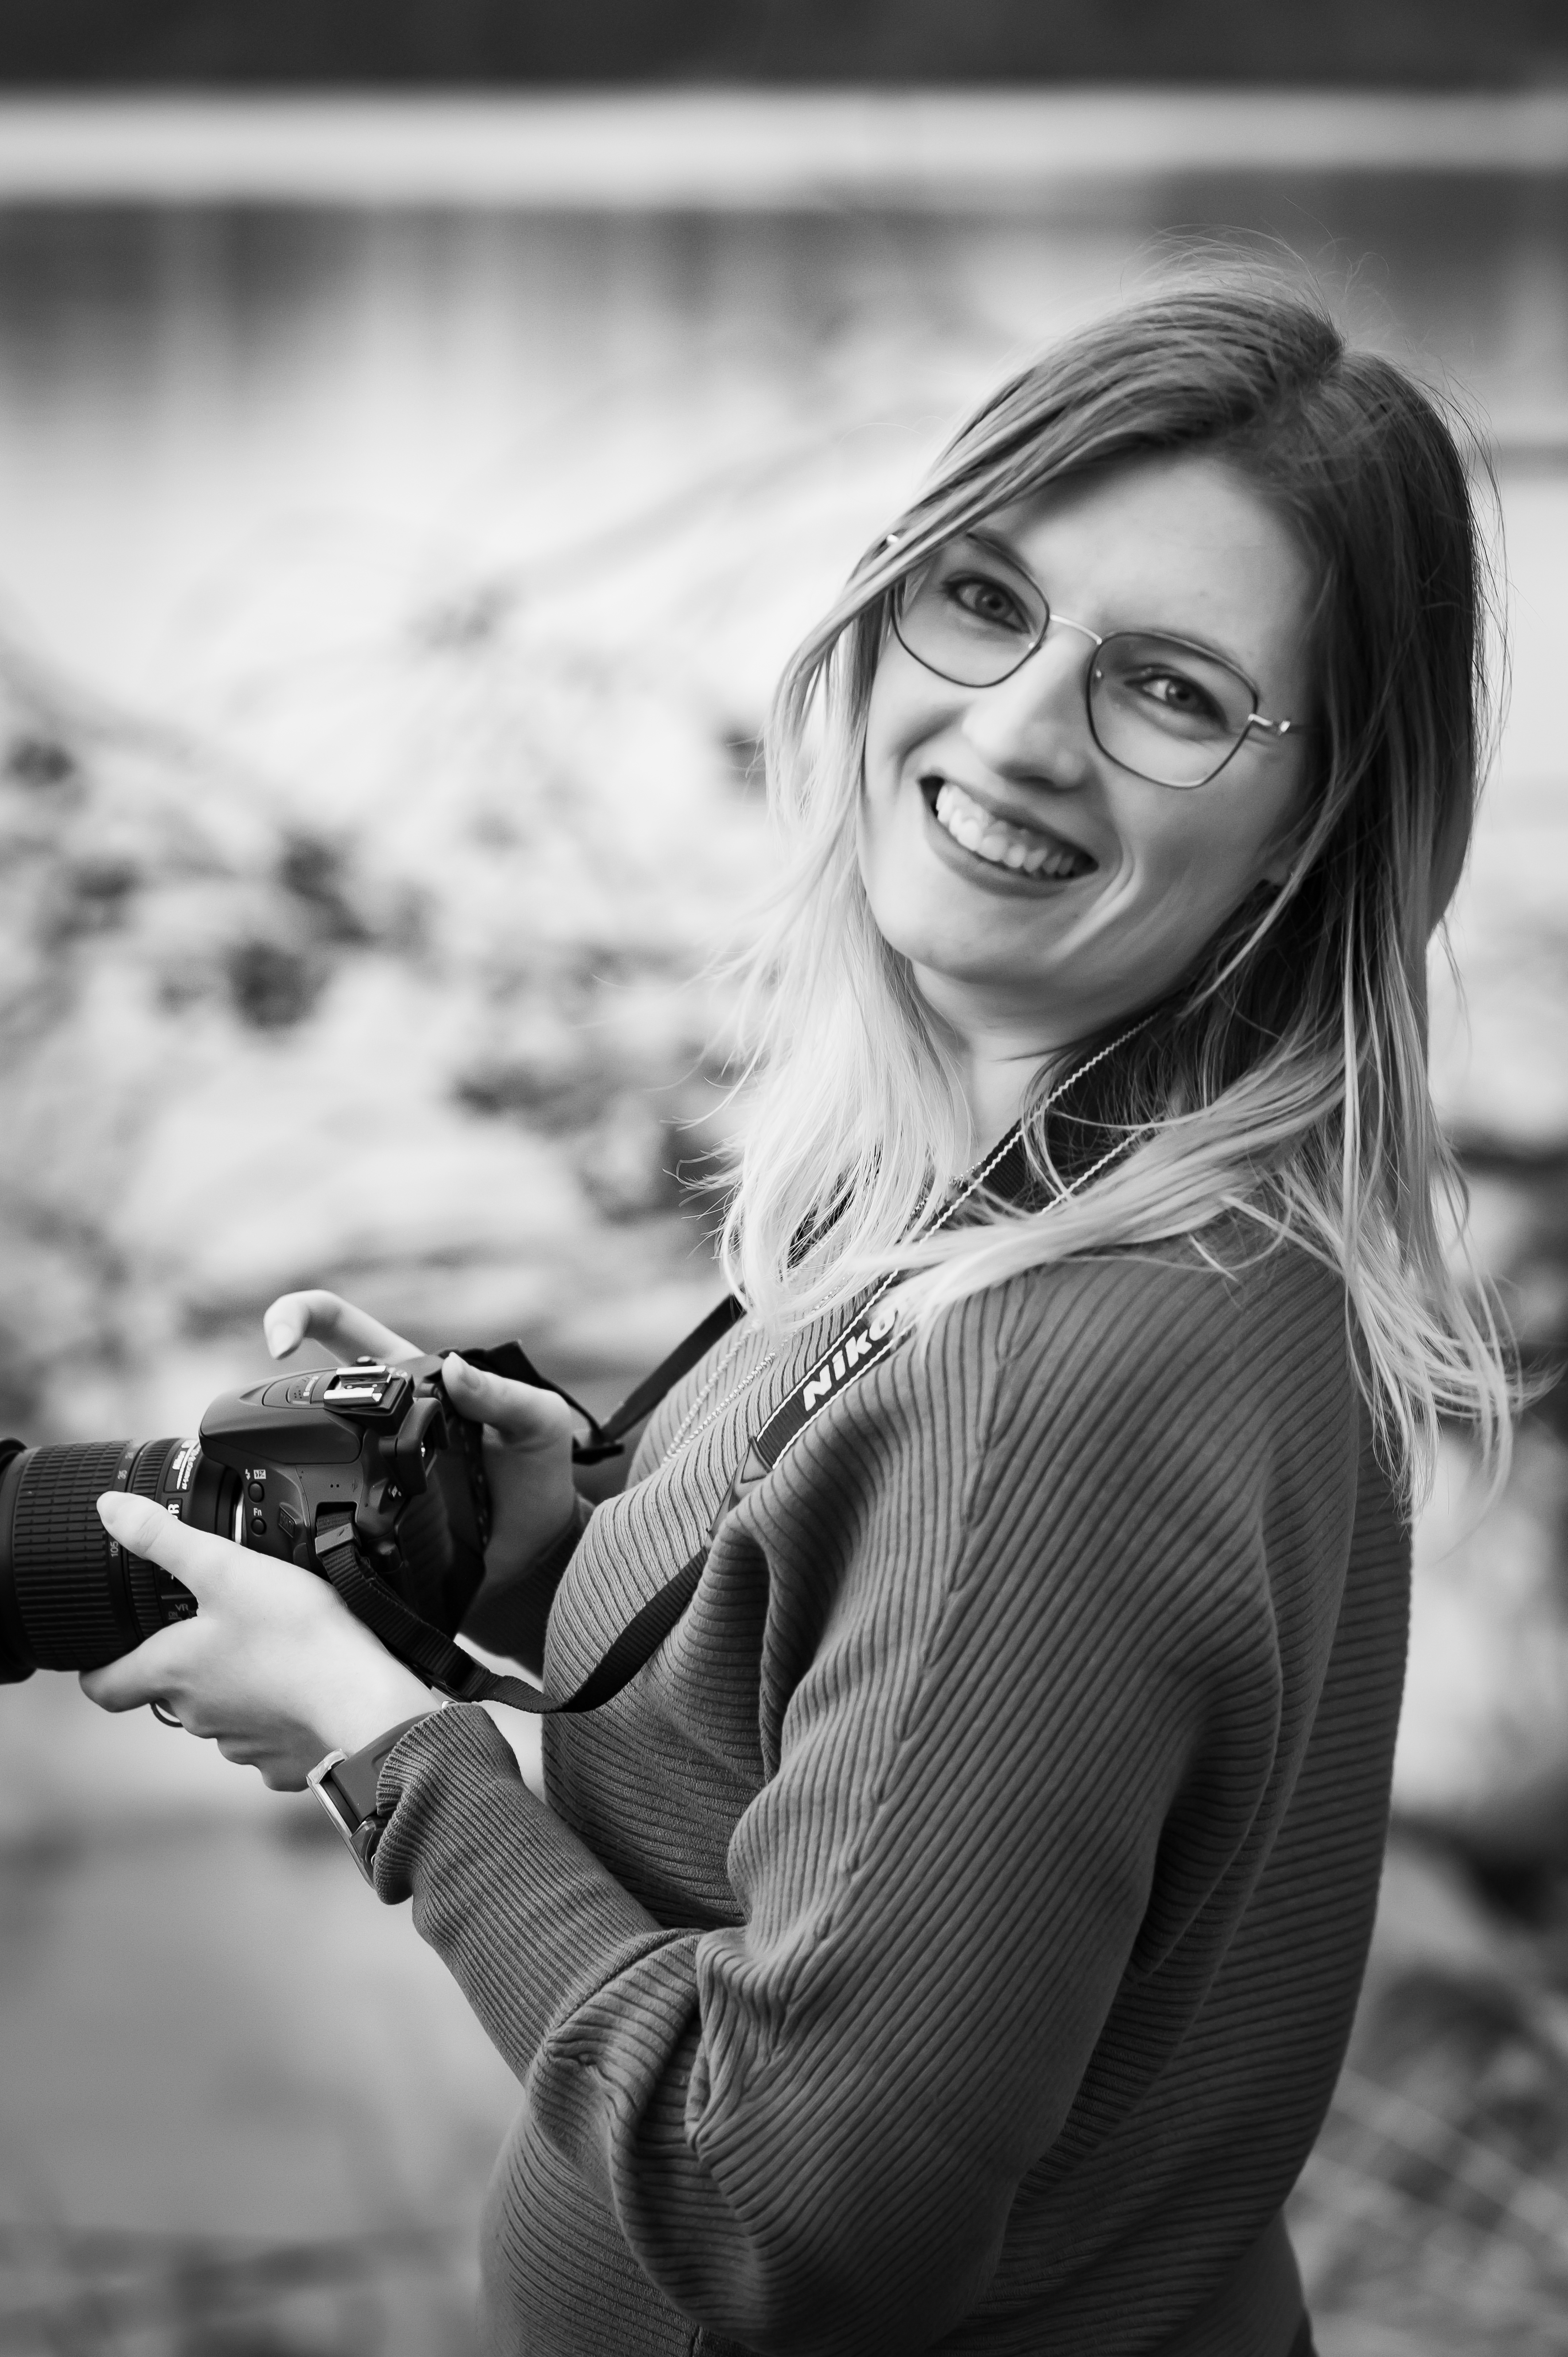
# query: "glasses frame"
{"points": [[1277, 729]]}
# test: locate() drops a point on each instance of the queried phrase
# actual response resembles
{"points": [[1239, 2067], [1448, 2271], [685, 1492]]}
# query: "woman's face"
{"points": [[1124, 881]]}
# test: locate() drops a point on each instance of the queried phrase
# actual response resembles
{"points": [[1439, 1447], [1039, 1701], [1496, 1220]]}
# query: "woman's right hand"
{"points": [[528, 1432], [336, 1324]]}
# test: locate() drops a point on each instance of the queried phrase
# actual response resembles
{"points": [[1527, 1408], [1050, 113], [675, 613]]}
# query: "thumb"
{"points": [[521, 1412], [196, 1558]]}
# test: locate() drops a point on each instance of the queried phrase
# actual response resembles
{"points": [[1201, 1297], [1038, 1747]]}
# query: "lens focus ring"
{"points": [[59, 1553]]}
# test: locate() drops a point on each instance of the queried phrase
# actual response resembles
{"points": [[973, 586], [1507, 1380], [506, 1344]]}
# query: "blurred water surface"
{"points": [[393, 594]]}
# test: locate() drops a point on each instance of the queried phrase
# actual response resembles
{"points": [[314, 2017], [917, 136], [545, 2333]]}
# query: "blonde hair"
{"points": [[1285, 1081]]}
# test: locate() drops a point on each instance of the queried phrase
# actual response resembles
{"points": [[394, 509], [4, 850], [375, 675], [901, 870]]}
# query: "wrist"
{"points": [[348, 1785], [384, 1694]]}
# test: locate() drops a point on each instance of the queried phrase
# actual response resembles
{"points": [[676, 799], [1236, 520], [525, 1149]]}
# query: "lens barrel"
{"points": [[71, 1596]]}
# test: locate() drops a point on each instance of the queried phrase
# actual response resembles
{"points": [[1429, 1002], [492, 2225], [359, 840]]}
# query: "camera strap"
{"points": [[609, 1439], [1006, 1175], [867, 1340]]}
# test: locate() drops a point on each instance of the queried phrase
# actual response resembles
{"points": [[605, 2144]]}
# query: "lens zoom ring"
{"points": [[60, 1551], [146, 1475]]}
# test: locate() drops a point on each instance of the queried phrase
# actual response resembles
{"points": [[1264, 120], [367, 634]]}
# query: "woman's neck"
{"points": [[997, 1051], [995, 1081]]}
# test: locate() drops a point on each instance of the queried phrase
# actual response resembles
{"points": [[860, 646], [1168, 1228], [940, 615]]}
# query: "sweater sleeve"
{"points": [[1025, 1746]]}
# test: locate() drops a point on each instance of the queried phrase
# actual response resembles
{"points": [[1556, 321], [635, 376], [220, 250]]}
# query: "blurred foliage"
{"points": [[135, 913], [239, 1052]]}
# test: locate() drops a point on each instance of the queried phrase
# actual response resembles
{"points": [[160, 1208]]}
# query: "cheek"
{"points": [[1189, 875], [1214, 852], [907, 704]]}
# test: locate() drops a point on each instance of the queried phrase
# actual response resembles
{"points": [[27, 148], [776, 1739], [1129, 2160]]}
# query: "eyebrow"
{"points": [[1001, 546]]}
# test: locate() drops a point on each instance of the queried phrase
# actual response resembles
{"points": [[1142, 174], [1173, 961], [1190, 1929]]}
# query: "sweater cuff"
{"points": [[522, 1913]]}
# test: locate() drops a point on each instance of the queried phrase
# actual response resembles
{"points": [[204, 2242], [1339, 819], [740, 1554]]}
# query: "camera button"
{"points": [[257, 1489], [258, 1523]]}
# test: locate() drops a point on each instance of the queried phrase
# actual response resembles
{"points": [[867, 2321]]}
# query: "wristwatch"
{"points": [[345, 1783]]}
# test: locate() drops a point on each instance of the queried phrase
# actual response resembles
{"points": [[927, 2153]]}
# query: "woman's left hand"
{"points": [[273, 1668]]}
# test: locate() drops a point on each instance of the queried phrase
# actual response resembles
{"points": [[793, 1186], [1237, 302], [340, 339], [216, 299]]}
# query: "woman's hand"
{"points": [[528, 1464], [273, 1668], [528, 1432], [336, 1324]]}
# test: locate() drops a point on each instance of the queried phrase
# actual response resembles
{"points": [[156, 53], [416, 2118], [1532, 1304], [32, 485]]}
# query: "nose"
{"points": [[1034, 726]]}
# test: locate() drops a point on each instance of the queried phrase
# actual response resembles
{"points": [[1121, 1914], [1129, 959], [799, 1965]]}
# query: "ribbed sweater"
{"points": [[951, 1938]]}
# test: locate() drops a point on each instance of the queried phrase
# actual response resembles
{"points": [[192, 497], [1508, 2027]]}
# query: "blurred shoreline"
{"points": [[730, 149]]}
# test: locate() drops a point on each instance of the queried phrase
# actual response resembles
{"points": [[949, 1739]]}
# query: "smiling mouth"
{"points": [[1000, 842]]}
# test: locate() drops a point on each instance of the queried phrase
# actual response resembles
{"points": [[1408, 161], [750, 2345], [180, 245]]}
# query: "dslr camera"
{"points": [[286, 1469]]}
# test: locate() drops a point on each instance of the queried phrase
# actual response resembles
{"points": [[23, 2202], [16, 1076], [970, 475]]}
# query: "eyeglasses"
{"points": [[1160, 707]]}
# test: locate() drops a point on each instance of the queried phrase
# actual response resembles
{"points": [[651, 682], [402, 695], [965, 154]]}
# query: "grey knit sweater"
{"points": [[949, 1939]]}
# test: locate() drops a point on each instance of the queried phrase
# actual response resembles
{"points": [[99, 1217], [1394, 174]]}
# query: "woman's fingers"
{"points": [[337, 1324], [272, 1665], [148, 1674], [201, 1561], [152, 1672], [521, 1413]]}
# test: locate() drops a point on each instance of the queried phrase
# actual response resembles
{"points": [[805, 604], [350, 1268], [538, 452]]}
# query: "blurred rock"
{"points": [[1482, 1745], [1483, 1751], [1432, 2219]]}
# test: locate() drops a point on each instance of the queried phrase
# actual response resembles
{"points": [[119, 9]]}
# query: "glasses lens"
{"points": [[970, 616], [1167, 710]]}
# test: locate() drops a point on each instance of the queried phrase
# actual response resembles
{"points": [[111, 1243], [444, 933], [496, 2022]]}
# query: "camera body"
{"points": [[277, 1467]]}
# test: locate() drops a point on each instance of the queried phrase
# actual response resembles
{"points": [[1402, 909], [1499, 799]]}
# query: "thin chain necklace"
{"points": [[688, 1430]]}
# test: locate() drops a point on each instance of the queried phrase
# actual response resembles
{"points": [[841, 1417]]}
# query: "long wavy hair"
{"points": [[1286, 1079]]}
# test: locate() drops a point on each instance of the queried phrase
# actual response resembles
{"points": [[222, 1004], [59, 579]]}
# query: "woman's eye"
{"points": [[1182, 697], [988, 602]]}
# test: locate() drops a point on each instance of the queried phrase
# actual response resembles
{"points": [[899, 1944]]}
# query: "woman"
{"points": [[949, 1939]]}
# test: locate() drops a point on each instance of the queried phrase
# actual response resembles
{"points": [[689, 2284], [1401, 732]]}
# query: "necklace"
{"points": [[688, 1430]]}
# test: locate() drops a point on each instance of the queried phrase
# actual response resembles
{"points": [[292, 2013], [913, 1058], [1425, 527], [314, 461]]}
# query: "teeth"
{"points": [[995, 839]]}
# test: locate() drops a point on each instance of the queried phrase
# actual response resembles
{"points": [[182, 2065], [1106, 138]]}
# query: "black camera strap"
{"points": [[1006, 1175], [444, 1662], [867, 1340], [609, 1439]]}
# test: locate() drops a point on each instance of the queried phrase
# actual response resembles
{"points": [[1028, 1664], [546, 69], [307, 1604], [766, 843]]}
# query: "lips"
{"points": [[1006, 844]]}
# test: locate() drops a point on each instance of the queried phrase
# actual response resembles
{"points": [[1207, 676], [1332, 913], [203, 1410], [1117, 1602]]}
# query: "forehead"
{"points": [[1182, 543]]}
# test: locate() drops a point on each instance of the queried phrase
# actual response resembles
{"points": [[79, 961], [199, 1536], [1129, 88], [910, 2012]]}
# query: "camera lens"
{"points": [[71, 1597]]}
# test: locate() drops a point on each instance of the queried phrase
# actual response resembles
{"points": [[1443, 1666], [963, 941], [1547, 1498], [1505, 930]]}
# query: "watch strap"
{"points": [[347, 1782]]}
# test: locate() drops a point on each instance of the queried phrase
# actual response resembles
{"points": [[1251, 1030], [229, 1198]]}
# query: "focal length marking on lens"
{"points": [[184, 1465]]}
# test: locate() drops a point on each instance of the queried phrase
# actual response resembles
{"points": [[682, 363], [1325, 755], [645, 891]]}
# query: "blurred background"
{"points": [[423, 431]]}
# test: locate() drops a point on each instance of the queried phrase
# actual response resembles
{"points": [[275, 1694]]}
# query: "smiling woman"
{"points": [[1231, 796], [943, 1933], [1085, 886]]}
